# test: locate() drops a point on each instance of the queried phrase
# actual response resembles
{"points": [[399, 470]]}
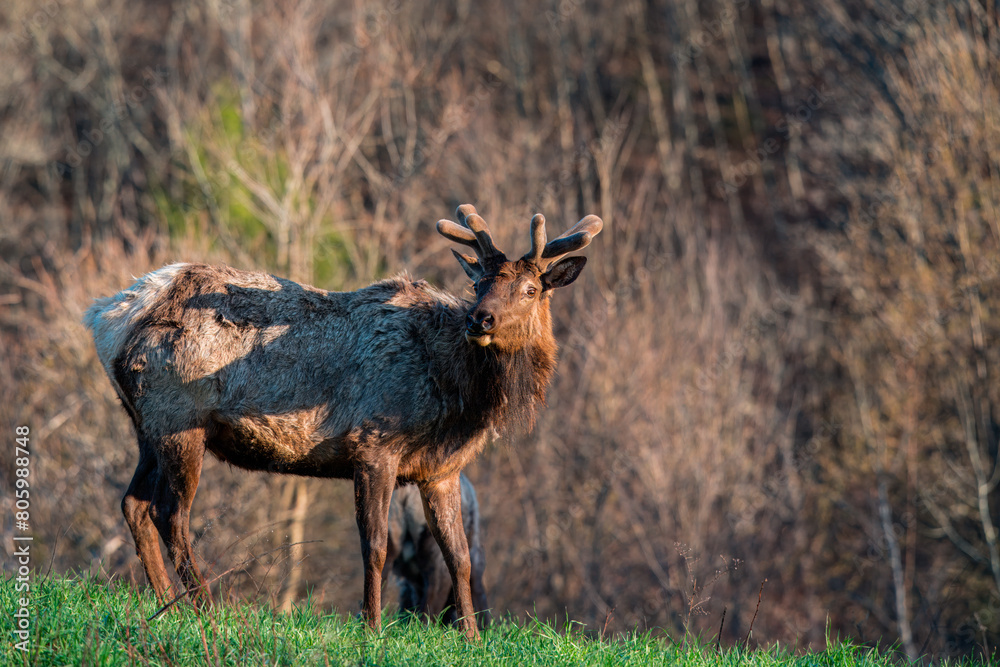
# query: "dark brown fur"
{"points": [[396, 382]]}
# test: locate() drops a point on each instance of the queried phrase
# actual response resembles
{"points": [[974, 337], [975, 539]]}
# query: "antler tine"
{"points": [[466, 214], [537, 239], [473, 232], [575, 238], [458, 233], [463, 212]]}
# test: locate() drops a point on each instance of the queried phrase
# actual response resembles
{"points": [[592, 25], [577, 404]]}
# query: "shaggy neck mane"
{"points": [[497, 389]]}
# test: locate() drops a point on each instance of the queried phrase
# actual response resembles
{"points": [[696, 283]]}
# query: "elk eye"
{"points": [[530, 292]]}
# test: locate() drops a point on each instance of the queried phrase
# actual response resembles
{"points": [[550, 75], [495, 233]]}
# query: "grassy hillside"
{"points": [[82, 621]]}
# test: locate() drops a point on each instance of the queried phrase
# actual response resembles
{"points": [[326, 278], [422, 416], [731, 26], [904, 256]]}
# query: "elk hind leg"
{"points": [[135, 507], [437, 596], [393, 550], [479, 601], [180, 457], [373, 484]]}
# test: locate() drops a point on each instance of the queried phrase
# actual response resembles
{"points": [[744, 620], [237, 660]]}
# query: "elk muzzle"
{"points": [[480, 325]]}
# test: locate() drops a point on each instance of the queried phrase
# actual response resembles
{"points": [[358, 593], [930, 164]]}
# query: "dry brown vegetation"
{"points": [[781, 362]]}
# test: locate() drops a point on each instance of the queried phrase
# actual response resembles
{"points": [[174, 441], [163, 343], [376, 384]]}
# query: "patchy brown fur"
{"points": [[396, 382]]}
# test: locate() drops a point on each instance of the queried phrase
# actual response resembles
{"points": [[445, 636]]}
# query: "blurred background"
{"points": [[780, 364]]}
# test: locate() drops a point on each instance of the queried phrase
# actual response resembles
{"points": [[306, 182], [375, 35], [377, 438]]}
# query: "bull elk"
{"points": [[397, 382], [416, 560]]}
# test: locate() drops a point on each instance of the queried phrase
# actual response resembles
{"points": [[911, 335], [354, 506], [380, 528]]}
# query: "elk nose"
{"points": [[480, 322]]}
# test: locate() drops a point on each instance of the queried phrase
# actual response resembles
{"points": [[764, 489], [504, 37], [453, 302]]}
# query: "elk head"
{"points": [[512, 297]]}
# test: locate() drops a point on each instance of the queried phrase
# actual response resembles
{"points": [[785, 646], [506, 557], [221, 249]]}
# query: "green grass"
{"points": [[83, 621]]}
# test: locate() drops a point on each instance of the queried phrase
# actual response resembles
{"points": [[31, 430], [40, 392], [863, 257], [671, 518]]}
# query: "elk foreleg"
{"points": [[443, 509]]}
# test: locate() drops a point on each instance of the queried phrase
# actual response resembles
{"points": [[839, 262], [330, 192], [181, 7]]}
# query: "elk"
{"points": [[394, 383], [415, 558]]}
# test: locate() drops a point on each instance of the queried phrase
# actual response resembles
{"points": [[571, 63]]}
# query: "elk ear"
{"points": [[563, 272], [470, 265]]}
